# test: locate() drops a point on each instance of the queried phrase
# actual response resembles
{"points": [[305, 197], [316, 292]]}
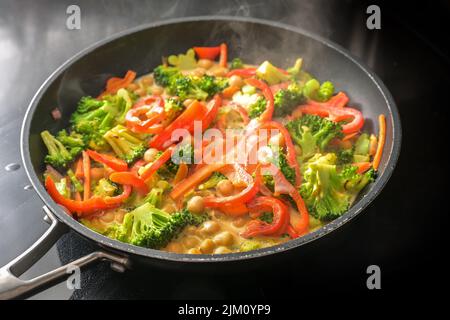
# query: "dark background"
{"points": [[402, 231]]}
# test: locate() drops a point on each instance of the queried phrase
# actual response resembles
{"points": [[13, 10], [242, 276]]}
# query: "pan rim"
{"points": [[128, 249]]}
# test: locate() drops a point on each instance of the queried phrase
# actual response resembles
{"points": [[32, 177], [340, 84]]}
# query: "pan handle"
{"points": [[12, 287]]}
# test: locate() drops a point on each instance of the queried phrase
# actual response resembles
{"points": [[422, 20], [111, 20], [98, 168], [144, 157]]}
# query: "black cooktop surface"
{"points": [[401, 231]]}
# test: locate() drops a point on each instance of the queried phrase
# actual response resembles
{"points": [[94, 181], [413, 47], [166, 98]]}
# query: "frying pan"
{"points": [[140, 49]]}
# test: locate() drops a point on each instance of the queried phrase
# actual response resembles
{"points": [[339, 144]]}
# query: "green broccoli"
{"points": [[294, 71], [164, 75], [126, 144], [185, 88], [63, 188], [285, 100], [150, 227], [362, 145], [266, 217], [211, 85], [327, 192], [257, 108], [58, 155], [345, 156], [105, 188], [215, 178], [236, 63], [155, 197], [278, 158], [183, 153], [319, 92], [313, 133], [75, 182], [173, 105], [271, 74], [74, 141]]}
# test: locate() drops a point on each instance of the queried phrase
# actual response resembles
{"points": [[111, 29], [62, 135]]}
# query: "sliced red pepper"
{"points": [[234, 210], [137, 165], [336, 114], [340, 100], [115, 83], [145, 114], [223, 55], [108, 160], [243, 73], [212, 110], [291, 157], [282, 186], [207, 52], [242, 197], [195, 112], [91, 205], [130, 178], [195, 179], [260, 228], [163, 158], [261, 85], [362, 166]]}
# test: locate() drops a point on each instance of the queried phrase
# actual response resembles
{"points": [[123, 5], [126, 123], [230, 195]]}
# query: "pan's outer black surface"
{"points": [[251, 39]]}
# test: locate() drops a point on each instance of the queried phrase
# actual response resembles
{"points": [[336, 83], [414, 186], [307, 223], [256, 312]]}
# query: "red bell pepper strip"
{"points": [[91, 205], [282, 186], [228, 92], [242, 197], [137, 165], [114, 84], [79, 168], [163, 158], [336, 114], [261, 85], [87, 176], [130, 178], [223, 55], [195, 179], [108, 160], [291, 157], [212, 110], [195, 111], [340, 100], [152, 110], [234, 210], [207, 52], [362, 166], [261, 228], [243, 73]]}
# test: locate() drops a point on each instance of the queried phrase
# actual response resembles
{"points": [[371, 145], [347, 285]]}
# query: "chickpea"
{"points": [[196, 204], [224, 239], [132, 87], [174, 247], [239, 222], [147, 81], [236, 81], [220, 72], [221, 250], [207, 246], [187, 102], [157, 90], [169, 208], [210, 227], [190, 242], [150, 154], [225, 187], [190, 230], [205, 63], [194, 251]]}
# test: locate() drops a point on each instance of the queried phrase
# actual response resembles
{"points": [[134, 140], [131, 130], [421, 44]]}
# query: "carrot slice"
{"points": [[229, 91], [87, 176], [79, 169], [181, 173], [362, 166], [223, 55], [381, 141], [373, 145]]}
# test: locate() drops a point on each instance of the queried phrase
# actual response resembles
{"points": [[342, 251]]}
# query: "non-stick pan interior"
{"points": [[250, 40]]}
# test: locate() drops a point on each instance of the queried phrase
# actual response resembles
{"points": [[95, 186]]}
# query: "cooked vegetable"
{"points": [[212, 181], [285, 100], [105, 188], [319, 92], [271, 74], [125, 144], [58, 155], [183, 61], [236, 63], [381, 141], [256, 109]]}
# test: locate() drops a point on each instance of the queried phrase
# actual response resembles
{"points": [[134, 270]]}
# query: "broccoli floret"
{"points": [[257, 108], [150, 227], [164, 75], [58, 155], [345, 156], [271, 74], [313, 133], [155, 197], [294, 71], [266, 217], [74, 142], [278, 158], [215, 178], [327, 192], [75, 182], [63, 188], [285, 100], [173, 105], [185, 88], [126, 144], [183, 153], [105, 188], [183, 61], [211, 85], [236, 63], [315, 91]]}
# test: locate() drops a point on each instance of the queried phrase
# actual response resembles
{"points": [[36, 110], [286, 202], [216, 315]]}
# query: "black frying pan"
{"points": [[141, 49]]}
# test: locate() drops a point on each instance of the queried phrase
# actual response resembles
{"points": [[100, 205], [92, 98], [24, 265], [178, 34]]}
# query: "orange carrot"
{"points": [[181, 173], [79, 169], [97, 173], [362, 166], [223, 55], [350, 136], [381, 140], [87, 176], [373, 145], [229, 91], [115, 83]]}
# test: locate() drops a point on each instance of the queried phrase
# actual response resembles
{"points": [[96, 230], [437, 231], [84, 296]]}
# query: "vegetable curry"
{"points": [[149, 161]]}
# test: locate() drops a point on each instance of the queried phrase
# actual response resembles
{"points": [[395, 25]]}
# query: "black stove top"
{"points": [[398, 232]]}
